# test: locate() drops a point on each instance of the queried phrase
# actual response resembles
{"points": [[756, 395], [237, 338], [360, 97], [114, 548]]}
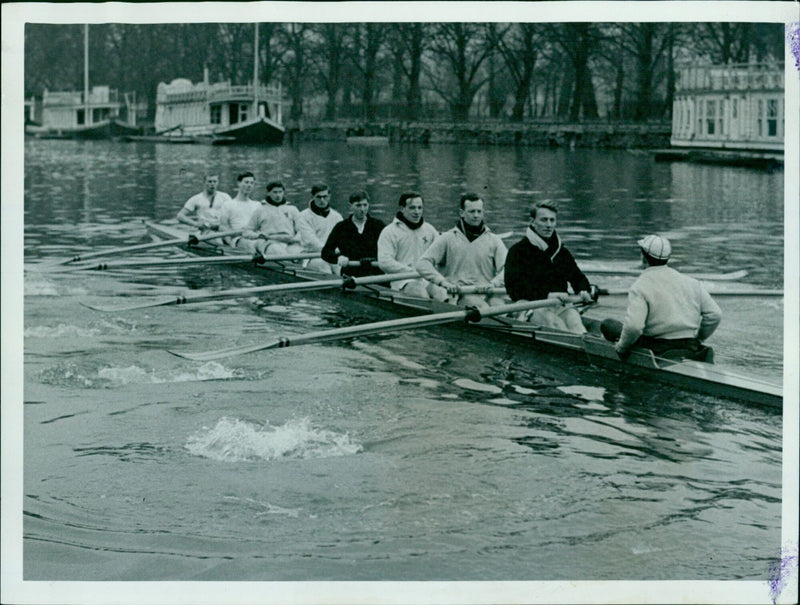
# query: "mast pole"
{"points": [[255, 71], [86, 116]]}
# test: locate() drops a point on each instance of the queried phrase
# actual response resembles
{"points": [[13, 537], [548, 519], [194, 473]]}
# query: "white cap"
{"points": [[656, 246]]}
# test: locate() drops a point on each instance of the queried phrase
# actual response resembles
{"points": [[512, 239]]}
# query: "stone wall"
{"points": [[595, 134]]}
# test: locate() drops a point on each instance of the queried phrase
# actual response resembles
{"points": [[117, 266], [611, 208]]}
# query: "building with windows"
{"points": [[94, 114], [238, 113], [733, 107]]}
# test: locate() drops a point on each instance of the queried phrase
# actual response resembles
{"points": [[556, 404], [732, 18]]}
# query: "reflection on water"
{"points": [[719, 217]]}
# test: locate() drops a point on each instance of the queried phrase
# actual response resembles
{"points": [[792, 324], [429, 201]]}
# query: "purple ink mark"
{"points": [[793, 40], [782, 571]]}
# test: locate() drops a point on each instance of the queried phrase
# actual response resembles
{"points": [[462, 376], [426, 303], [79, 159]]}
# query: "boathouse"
{"points": [[733, 107]]}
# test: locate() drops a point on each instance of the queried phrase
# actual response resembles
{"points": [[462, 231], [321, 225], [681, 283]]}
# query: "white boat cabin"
{"points": [[737, 106], [70, 110], [183, 108]]}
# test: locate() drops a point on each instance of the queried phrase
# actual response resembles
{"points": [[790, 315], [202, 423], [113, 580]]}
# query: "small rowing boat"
{"points": [[692, 375]]}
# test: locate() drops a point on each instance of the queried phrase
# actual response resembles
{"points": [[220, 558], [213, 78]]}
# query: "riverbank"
{"points": [[600, 134]]}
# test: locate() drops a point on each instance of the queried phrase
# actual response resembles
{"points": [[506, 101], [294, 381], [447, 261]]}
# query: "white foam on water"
{"points": [[584, 392], [59, 331], [134, 374], [234, 440], [524, 390], [466, 383], [40, 287]]}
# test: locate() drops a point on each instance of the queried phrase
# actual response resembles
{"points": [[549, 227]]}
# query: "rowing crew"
{"points": [[667, 312]]}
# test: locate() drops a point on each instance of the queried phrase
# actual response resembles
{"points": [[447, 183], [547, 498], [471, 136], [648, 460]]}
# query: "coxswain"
{"points": [[316, 223], [203, 210], [539, 266], [668, 312], [273, 227], [469, 254], [403, 242], [355, 239]]}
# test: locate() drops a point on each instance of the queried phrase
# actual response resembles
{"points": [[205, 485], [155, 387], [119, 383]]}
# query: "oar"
{"points": [[392, 325], [732, 276], [715, 293], [346, 282], [190, 239], [214, 260]]}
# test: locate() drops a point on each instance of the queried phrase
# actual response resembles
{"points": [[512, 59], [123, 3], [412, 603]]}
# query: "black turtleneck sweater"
{"points": [[346, 240], [532, 273]]}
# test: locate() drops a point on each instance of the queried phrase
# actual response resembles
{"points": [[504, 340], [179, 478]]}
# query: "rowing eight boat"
{"points": [[693, 375]]}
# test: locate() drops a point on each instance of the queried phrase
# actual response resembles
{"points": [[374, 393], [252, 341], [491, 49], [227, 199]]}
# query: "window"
{"points": [[734, 108], [216, 114], [242, 113], [721, 117], [772, 117], [81, 117], [760, 118], [711, 111]]}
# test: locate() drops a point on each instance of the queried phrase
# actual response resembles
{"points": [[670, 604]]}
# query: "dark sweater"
{"points": [[347, 241], [531, 273]]}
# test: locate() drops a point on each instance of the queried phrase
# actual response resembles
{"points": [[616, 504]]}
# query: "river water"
{"points": [[439, 454]]}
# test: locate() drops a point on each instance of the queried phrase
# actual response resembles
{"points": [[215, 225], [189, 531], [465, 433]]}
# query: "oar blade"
{"points": [[159, 302], [229, 351]]}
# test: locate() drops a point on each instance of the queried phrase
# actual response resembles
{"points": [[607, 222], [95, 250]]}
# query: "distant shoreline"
{"points": [[550, 134]]}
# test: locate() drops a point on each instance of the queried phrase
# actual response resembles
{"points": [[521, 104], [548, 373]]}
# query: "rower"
{"points": [[469, 254], [355, 239], [273, 227], [236, 213], [668, 312], [316, 223], [539, 266], [202, 210], [401, 244]]}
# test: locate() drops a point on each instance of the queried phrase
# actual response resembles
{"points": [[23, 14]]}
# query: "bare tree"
{"points": [[519, 45], [296, 40], [579, 42], [462, 49], [367, 44]]}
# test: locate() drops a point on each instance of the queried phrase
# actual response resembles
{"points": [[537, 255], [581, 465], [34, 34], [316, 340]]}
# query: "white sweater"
{"points": [[400, 247], [663, 303], [464, 263], [315, 229]]}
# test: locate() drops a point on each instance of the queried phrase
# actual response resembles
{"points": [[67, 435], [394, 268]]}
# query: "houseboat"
{"points": [[97, 114], [241, 114], [728, 112]]}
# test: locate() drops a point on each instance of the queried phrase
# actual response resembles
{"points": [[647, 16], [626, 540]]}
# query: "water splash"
{"points": [[212, 370], [234, 440], [60, 331], [72, 375]]}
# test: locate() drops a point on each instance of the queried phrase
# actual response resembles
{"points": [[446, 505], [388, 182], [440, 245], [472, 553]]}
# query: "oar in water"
{"points": [[738, 292], [214, 260], [328, 284], [392, 325], [191, 240]]}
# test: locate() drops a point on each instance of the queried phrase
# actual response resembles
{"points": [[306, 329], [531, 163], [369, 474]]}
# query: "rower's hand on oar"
{"points": [[450, 287], [587, 297], [561, 296], [342, 261]]}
